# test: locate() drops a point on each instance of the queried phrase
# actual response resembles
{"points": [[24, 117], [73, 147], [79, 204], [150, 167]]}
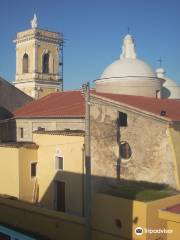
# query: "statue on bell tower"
{"points": [[34, 22]]}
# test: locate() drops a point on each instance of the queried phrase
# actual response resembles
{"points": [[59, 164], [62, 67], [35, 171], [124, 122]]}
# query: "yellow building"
{"points": [[172, 217], [60, 171], [18, 170], [37, 61], [49, 171]]}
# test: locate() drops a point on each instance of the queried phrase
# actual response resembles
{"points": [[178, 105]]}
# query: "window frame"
{"points": [[55, 160], [31, 163]]}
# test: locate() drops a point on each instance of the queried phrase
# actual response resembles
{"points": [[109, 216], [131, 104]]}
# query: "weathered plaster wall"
{"points": [[151, 158]]}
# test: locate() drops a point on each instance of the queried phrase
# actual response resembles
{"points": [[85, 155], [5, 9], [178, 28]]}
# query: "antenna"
{"points": [[160, 62], [61, 56], [128, 30]]}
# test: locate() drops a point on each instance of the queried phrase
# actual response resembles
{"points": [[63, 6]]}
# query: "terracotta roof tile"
{"points": [[71, 104], [148, 104]]}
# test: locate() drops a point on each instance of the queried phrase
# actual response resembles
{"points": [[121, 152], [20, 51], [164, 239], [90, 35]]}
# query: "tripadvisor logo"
{"points": [[139, 231]]}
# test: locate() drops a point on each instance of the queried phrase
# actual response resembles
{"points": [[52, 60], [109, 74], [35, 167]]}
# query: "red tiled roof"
{"points": [[71, 104], [174, 209], [68, 103], [148, 104]]}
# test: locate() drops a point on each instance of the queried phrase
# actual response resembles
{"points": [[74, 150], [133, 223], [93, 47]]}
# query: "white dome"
{"points": [[129, 75], [170, 88], [128, 67]]}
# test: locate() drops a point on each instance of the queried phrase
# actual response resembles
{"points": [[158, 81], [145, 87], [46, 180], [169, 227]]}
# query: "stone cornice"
{"points": [[42, 39]]}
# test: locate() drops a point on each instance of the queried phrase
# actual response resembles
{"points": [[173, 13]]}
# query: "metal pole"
{"points": [[87, 163], [62, 69]]}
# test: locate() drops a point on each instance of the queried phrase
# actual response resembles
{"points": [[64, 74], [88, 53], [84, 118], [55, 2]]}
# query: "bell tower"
{"points": [[38, 57]]}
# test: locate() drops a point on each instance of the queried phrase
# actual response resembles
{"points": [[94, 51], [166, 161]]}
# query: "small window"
{"points": [[125, 150], [58, 163], [33, 169], [21, 132], [122, 119]]}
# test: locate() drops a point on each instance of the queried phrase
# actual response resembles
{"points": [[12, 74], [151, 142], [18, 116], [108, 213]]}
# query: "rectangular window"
{"points": [[21, 132], [58, 163], [122, 119], [33, 169]]}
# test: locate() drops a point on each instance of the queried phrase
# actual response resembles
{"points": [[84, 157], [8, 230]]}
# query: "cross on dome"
{"points": [[34, 22], [128, 48]]}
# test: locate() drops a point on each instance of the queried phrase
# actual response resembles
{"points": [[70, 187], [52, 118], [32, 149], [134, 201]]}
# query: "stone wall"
{"points": [[151, 158]]}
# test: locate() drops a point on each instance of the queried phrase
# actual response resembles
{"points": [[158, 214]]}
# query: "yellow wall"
{"points": [[9, 171], [26, 183], [176, 230], [153, 220], [15, 169], [173, 223], [174, 140], [71, 149], [55, 225], [108, 209]]}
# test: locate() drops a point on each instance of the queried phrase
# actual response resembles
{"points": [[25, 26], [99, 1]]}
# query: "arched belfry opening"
{"points": [[25, 63], [45, 63]]}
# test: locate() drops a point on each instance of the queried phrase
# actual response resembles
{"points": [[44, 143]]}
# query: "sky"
{"points": [[93, 32]]}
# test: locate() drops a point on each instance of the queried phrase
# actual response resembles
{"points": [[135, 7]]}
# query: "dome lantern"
{"points": [[128, 48]]}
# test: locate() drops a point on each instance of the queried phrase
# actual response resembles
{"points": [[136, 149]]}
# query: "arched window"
{"points": [[25, 63], [45, 63]]}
